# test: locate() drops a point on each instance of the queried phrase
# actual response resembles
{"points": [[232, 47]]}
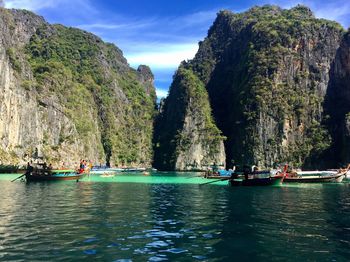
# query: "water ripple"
{"points": [[175, 222]]}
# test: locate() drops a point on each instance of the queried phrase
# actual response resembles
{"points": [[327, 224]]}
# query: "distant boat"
{"points": [[102, 171], [315, 177], [132, 169], [221, 173], [53, 175], [316, 173], [107, 175]]}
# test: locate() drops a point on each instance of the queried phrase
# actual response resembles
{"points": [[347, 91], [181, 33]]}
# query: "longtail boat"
{"points": [[321, 178], [265, 181], [259, 178], [53, 175], [220, 173]]}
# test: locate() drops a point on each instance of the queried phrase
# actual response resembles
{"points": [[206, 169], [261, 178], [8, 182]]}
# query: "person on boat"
{"points": [[215, 169], [63, 166], [234, 175], [30, 168], [86, 165], [50, 166], [246, 171], [82, 166]]}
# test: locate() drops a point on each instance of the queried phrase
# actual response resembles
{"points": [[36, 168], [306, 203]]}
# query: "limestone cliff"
{"points": [[338, 104], [186, 137], [67, 95], [266, 72]]}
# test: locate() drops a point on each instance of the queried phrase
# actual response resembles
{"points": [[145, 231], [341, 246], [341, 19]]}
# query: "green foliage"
{"points": [[27, 84], [255, 69], [14, 60], [86, 74], [188, 99]]}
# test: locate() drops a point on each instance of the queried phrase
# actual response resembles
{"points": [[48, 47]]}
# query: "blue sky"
{"points": [[159, 33]]}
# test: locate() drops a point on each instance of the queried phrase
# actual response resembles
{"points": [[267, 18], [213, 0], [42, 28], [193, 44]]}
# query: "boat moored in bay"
{"points": [[336, 178], [265, 181], [316, 176], [53, 175]]}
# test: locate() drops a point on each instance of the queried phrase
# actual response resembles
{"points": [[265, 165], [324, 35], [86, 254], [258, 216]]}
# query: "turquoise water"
{"points": [[170, 217]]}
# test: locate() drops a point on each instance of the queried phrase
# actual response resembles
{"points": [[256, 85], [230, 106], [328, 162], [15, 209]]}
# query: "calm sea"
{"points": [[169, 216]]}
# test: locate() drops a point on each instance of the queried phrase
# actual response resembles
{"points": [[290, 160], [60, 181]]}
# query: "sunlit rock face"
{"points": [[186, 137], [66, 95], [266, 73]]}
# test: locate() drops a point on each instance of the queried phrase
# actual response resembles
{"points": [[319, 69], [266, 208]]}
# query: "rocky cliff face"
{"points": [[338, 104], [186, 137], [67, 95], [267, 72]]}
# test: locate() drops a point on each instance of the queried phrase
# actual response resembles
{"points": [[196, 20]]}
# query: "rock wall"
{"points": [[267, 71], [338, 105], [67, 95], [186, 137]]}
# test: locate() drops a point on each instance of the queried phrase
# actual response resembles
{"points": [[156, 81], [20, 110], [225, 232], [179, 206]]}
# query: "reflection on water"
{"points": [[182, 221]]}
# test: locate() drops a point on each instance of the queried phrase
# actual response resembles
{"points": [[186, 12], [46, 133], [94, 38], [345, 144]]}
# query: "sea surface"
{"points": [[171, 217]]}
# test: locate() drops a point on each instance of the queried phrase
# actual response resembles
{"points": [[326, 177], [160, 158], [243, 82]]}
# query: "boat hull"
{"points": [[268, 181], [315, 179], [53, 177]]}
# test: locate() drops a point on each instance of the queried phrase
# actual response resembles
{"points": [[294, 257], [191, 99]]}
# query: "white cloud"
{"points": [[163, 56], [37, 5], [332, 10], [33, 5], [161, 93], [118, 26], [198, 19]]}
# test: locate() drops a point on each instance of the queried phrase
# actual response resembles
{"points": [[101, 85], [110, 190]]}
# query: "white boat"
{"points": [[108, 175], [102, 171], [316, 176], [347, 175], [316, 173]]}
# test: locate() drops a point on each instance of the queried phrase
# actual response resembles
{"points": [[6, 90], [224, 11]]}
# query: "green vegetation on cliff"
{"points": [[96, 89], [266, 72], [186, 121]]}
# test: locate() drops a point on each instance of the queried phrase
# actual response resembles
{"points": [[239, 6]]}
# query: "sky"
{"points": [[159, 33]]}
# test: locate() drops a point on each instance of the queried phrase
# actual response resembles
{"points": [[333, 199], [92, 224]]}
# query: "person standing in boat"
{"points": [[234, 174], [90, 165], [246, 171], [82, 166], [30, 168]]}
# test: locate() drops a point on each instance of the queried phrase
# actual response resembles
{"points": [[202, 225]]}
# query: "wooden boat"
{"points": [[256, 181], [217, 177], [53, 175], [221, 173], [316, 176], [132, 170], [107, 175], [321, 178], [316, 173], [347, 175], [102, 171]]}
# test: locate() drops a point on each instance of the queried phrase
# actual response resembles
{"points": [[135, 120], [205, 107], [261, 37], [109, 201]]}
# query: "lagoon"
{"points": [[169, 216]]}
